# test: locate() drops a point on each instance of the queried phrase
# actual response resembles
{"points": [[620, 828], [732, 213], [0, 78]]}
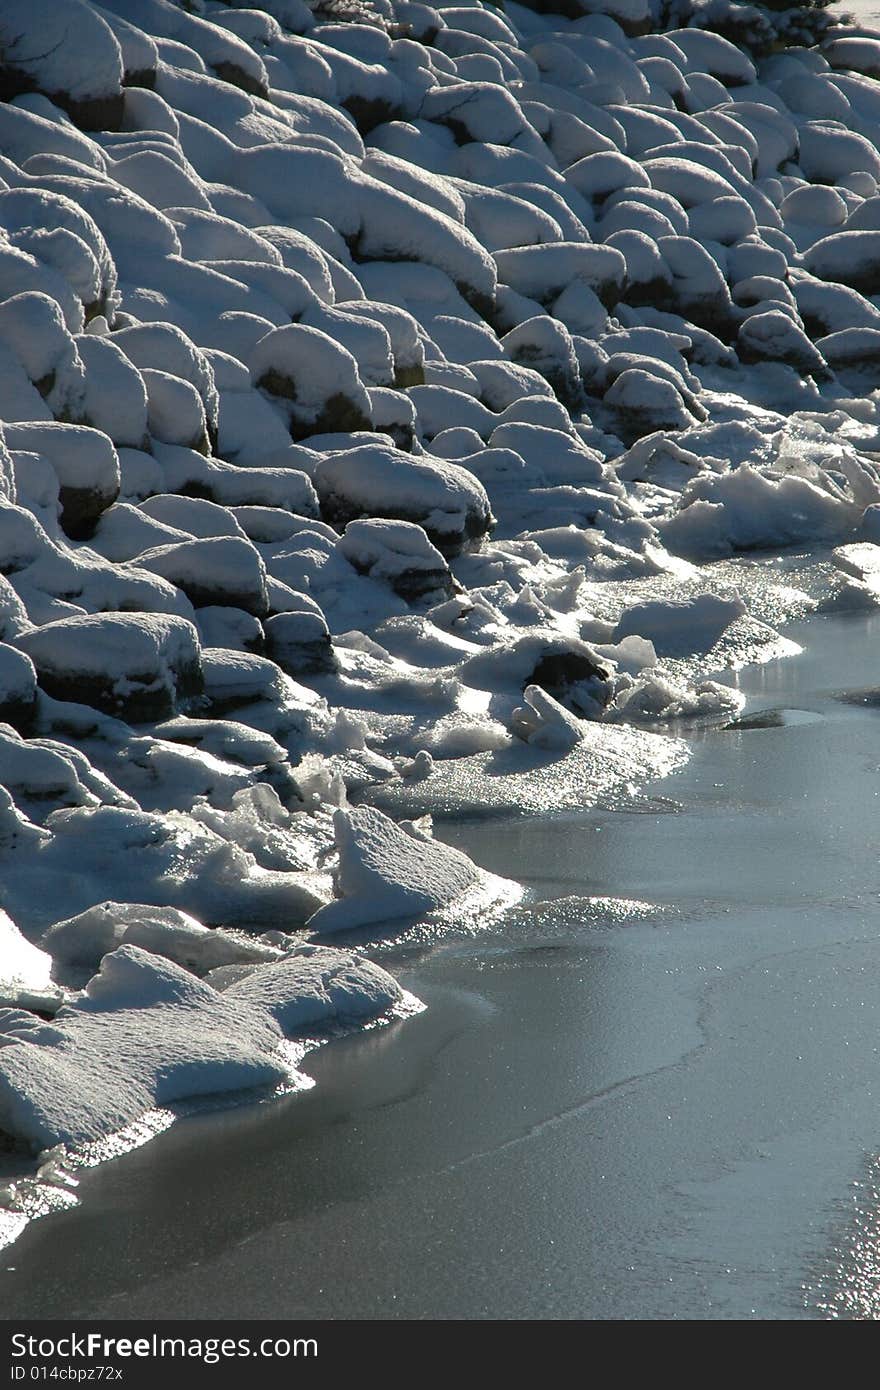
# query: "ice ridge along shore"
{"points": [[388, 394]]}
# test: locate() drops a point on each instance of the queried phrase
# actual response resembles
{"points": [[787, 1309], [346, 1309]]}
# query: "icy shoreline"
{"points": [[385, 399]]}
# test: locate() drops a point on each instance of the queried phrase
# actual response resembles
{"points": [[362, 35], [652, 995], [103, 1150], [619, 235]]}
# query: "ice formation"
{"points": [[379, 384]]}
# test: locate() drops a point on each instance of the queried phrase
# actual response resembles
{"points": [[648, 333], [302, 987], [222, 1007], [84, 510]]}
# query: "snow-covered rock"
{"points": [[299, 639], [772, 336], [85, 463], [214, 570], [646, 402], [398, 553], [18, 688], [376, 480], [543, 272], [315, 378], [66, 51], [546, 347], [387, 872], [140, 666], [848, 258]]}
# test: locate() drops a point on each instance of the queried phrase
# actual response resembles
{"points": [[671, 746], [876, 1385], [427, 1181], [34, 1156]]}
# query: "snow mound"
{"points": [[848, 258], [146, 1033], [772, 336], [85, 463], [317, 988], [25, 972], [681, 627], [299, 639], [386, 872], [646, 402], [83, 941], [213, 570], [18, 689], [543, 272]]}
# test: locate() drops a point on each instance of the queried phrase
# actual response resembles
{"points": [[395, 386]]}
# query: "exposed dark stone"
{"points": [[45, 384], [91, 113], [201, 596], [232, 73], [21, 714], [403, 436], [641, 293], [81, 509], [484, 304], [96, 307], [277, 384], [340, 416], [459, 130], [415, 584], [424, 36], [139, 706], [300, 644], [141, 77], [14, 82], [194, 487], [405, 377], [201, 443], [369, 112], [815, 327], [557, 671], [96, 113]]}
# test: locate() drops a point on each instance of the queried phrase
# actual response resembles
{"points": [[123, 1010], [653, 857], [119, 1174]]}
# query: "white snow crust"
{"points": [[387, 404]]}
